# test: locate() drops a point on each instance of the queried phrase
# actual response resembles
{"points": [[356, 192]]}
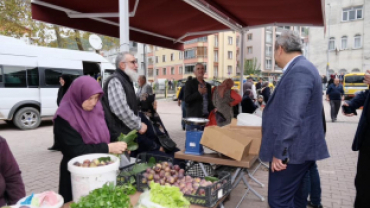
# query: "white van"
{"points": [[29, 79]]}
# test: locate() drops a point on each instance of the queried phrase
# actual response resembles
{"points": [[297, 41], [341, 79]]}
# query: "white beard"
{"points": [[134, 76]]}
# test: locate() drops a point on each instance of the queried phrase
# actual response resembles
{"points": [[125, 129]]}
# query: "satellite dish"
{"points": [[95, 42]]}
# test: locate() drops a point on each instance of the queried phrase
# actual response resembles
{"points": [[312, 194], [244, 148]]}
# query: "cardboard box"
{"points": [[227, 141], [254, 132]]}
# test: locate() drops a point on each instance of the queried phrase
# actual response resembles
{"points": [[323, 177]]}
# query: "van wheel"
{"points": [[27, 118]]}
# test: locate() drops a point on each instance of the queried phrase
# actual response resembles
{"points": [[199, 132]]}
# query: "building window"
{"points": [[164, 71], [216, 56], [216, 40], [171, 56], [268, 63], [249, 50], [157, 72], [344, 43], [358, 41], [156, 59], [215, 71], [189, 69], [249, 37], [332, 44], [268, 37], [155, 48], [163, 58], [180, 70], [269, 28], [268, 50], [230, 54], [229, 69], [230, 40], [172, 70], [181, 55], [352, 13], [189, 54], [296, 28]]}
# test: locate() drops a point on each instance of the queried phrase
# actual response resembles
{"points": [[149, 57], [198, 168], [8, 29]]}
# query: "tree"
{"points": [[16, 21], [251, 66]]}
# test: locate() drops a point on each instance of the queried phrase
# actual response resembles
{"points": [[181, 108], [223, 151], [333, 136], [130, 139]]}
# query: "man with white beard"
{"points": [[119, 99]]}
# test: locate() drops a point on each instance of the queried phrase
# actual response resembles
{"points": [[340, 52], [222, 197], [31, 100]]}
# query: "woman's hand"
{"points": [[117, 147]]}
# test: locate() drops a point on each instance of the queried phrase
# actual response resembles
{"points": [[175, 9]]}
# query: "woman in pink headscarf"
{"points": [[80, 128], [224, 98]]}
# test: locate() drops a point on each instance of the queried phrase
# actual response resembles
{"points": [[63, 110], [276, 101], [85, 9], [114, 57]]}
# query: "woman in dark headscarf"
{"points": [[266, 92], [80, 128], [65, 81]]}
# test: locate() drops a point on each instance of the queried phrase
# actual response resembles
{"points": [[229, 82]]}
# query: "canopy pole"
{"points": [[241, 62], [241, 66], [124, 38]]}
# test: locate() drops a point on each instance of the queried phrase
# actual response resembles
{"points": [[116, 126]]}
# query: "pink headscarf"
{"points": [[90, 124]]}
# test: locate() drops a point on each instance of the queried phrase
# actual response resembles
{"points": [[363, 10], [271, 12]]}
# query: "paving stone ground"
{"points": [[40, 167]]}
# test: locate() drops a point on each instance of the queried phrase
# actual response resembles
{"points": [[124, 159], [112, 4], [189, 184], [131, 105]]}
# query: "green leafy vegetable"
{"points": [[109, 196], [211, 179], [104, 159], [139, 167], [130, 140], [167, 196]]}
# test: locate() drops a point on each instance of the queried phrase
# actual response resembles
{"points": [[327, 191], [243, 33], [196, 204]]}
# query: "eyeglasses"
{"points": [[133, 62]]}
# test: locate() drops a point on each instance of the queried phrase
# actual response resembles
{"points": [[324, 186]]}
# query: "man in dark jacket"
{"points": [[335, 95], [198, 97], [361, 143], [181, 102]]}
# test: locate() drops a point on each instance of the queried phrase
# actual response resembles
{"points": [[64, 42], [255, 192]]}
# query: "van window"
{"points": [[354, 79], [52, 76], [33, 77], [15, 77], [1, 74]]}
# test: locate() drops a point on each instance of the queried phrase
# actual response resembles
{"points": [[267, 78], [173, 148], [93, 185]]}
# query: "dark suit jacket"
{"points": [[194, 100], [292, 122], [363, 129]]}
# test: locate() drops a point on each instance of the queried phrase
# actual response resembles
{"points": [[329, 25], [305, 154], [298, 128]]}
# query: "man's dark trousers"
{"points": [[362, 180], [286, 186], [334, 105]]}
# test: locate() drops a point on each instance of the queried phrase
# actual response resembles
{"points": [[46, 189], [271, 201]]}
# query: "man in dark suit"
{"points": [[292, 125], [361, 143], [198, 97]]}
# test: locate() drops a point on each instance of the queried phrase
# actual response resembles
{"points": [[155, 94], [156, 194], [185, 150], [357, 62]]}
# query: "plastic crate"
{"points": [[123, 178], [192, 143], [212, 193], [193, 168]]}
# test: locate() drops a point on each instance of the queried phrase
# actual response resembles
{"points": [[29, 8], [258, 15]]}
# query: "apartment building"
{"points": [[344, 44], [259, 47], [217, 52]]}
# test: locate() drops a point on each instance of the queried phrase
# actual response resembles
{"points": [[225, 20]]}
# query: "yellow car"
{"points": [[237, 85], [353, 83]]}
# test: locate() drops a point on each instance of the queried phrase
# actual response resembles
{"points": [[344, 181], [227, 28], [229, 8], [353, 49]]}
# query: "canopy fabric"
{"points": [[170, 20]]}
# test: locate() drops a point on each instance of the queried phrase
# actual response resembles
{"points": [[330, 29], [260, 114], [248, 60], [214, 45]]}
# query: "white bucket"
{"points": [[85, 180]]}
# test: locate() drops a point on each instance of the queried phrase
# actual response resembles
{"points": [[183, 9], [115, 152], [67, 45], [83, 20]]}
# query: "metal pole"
{"points": [[241, 62], [124, 38], [145, 68], [241, 66], [327, 55]]}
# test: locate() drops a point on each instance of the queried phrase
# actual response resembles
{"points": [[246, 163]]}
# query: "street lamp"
{"points": [[327, 55]]}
